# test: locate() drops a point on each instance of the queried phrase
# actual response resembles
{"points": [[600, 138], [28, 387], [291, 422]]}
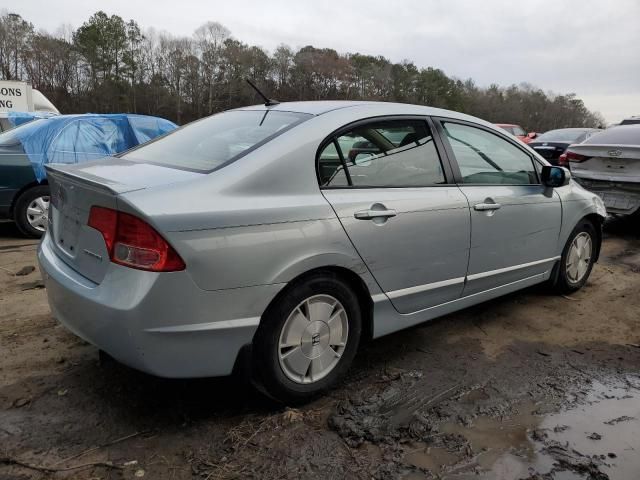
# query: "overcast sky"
{"points": [[590, 47]]}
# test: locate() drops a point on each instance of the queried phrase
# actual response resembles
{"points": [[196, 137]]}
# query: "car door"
{"points": [[515, 220], [389, 187]]}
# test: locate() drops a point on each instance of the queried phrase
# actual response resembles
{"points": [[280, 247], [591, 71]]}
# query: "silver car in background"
{"points": [[608, 164], [293, 232]]}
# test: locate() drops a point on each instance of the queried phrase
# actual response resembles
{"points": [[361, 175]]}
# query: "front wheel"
{"points": [[31, 211], [307, 339], [578, 258]]}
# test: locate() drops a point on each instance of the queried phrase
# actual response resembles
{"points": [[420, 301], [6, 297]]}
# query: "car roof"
{"points": [[507, 125], [320, 107]]}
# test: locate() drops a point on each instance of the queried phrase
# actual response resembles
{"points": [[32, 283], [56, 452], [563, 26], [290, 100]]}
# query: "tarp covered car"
{"points": [[26, 149]]}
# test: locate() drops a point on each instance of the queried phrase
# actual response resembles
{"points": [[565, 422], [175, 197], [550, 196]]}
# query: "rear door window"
{"points": [[393, 153]]}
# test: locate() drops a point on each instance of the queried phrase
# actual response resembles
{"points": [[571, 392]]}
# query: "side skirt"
{"points": [[386, 319]]}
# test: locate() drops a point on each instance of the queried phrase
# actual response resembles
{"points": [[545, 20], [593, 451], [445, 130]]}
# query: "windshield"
{"points": [[13, 136], [563, 135], [213, 142], [623, 135]]}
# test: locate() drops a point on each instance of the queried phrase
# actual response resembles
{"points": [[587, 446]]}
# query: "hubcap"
{"points": [[313, 339], [37, 213], [579, 257]]}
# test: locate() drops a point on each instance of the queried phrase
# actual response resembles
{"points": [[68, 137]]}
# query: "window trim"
{"points": [[457, 174], [333, 137]]}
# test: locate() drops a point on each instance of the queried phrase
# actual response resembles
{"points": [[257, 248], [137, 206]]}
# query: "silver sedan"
{"points": [[285, 235]]}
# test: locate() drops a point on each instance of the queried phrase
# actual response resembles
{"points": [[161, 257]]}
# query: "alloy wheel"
{"points": [[37, 213]]}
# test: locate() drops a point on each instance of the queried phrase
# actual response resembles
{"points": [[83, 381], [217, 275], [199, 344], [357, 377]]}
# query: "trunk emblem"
{"points": [[614, 153]]}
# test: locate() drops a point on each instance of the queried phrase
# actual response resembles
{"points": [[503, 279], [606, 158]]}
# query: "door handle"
{"points": [[371, 214], [483, 207]]}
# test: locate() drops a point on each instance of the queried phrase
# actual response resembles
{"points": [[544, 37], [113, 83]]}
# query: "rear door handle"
{"points": [[483, 207], [371, 214]]}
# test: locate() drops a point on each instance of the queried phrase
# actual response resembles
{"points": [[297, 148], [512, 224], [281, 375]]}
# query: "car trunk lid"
{"points": [[75, 189], [614, 163]]}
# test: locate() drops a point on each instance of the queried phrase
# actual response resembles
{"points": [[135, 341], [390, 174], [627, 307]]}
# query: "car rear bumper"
{"points": [[620, 198], [160, 323]]}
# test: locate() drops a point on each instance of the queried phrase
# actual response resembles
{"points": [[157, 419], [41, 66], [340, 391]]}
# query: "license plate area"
{"points": [[68, 233]]}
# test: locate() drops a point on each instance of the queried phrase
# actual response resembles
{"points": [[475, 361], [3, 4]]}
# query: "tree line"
{"points": [[111, 65]]}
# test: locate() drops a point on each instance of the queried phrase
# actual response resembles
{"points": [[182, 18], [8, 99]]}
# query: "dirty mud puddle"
{"points": [[595, 438]]}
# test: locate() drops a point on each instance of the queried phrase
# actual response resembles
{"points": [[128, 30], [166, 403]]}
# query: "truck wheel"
{"points": [[31, 211]]}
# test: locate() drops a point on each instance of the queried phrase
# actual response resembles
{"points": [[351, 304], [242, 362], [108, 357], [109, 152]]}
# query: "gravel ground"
{"points": [[529, 386]]}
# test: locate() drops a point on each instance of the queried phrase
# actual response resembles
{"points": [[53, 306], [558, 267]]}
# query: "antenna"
{"points": [[267, 101]]}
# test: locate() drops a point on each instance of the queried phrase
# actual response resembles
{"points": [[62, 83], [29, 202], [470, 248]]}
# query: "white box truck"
{"points": [[21, 97]]}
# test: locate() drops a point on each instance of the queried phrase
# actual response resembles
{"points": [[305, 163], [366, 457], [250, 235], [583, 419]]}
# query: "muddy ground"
{"points": [[528, 386]]}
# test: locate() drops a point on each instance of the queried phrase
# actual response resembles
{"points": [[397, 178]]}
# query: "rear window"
{"points": [[563, 135], [213, 142], [623, 135]]}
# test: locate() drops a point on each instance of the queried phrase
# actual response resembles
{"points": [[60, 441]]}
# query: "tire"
{"points": [[312, 330], [575, 263], [28, 224]]}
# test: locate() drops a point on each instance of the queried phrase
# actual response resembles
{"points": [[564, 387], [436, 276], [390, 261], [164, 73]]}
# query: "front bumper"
{"points": [[160, 323]]}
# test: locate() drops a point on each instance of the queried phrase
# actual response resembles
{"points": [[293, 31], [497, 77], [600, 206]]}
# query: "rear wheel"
{"points": [[578, 258], [31, 211], [307, 339]]}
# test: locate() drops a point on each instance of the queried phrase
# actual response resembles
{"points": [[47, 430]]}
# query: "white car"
{"points": [[608, 164]]}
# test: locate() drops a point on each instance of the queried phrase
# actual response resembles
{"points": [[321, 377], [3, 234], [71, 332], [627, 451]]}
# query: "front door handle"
{"points": [[372, 214], [483, 207]]}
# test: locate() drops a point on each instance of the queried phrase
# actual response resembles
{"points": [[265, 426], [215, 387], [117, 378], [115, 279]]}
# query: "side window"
{"points": [[485, 158], [394, 153], [330, 168]]}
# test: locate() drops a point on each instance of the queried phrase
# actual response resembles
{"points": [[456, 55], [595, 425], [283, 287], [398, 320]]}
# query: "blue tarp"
{"points": [[80, 138], [19, 118]]}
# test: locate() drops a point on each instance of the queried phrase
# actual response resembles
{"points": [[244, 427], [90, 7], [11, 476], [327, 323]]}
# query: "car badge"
{"points": [[614, 153], [544, 144]]}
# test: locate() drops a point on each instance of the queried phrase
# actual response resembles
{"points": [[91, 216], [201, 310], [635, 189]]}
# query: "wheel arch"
{"points": [[351, 278], [597, 221]]}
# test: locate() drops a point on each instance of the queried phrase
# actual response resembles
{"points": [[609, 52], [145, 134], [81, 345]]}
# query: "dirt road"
{"points": [[527, 386]]}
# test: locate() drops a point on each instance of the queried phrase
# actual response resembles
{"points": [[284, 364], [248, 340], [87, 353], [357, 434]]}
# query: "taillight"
{"points": [[134, 243], [576, 157], [562, 160]]}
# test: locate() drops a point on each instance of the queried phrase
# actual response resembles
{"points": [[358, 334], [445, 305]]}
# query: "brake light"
{"points": [[562, 160], [134, 243], [575, 157]]}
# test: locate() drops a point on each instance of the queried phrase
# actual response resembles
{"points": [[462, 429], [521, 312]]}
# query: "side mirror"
{"points": [[555, 176], [532, 135]]}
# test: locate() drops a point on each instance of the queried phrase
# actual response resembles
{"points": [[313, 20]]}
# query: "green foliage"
{"points": [[109, 65]]}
